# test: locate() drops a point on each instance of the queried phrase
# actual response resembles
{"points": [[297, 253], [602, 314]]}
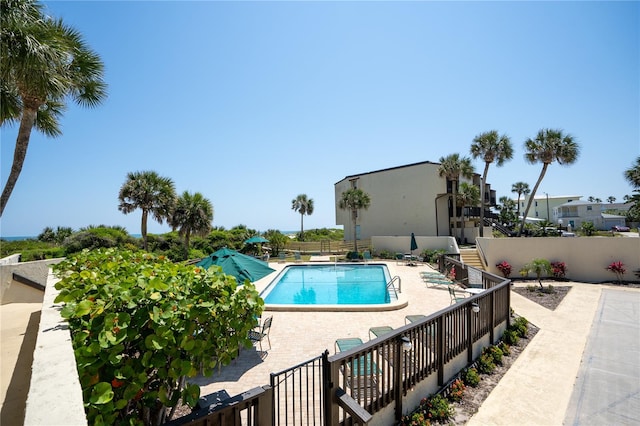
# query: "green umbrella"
{"points": [[256, 239], [237, 264]]}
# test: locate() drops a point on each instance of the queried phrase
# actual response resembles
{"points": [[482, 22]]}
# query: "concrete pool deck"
{"points": [[299, 336]]}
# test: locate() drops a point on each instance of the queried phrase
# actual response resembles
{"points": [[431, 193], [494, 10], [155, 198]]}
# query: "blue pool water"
{"points": [[329, 285]]}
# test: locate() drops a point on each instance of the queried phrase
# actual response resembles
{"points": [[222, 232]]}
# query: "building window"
{"points": [[536, 204], [589, 208]]}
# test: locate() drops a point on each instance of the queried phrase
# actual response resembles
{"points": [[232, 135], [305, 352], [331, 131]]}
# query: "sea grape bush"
{"points": [[141, 325]]}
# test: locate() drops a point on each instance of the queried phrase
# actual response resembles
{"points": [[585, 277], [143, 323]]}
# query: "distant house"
{"points": [[406, 199], [576, 213], [543, 205]]}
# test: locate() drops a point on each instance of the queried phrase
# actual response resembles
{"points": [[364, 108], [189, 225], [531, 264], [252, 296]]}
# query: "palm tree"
{"points": [[632, 175], [469, 195], [452, 167], [611, 199], [520, 188], [44, 62], [302, 205], [151, 193], [490, 146], [192, 214], [353, 200], [548, 146], [507, 215]]}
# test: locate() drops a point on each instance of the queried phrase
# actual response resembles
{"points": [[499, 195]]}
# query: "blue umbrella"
{"points": [[237, 264], [256, 239]]}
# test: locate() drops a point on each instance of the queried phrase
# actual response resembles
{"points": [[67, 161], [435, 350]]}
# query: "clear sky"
{"points": [[253, 103]]}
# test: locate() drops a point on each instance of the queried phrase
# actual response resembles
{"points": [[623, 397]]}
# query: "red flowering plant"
{"points": [[505, 268], [559, 269], [618, 269]]}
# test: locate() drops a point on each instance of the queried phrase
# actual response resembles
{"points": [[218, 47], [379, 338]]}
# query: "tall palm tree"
{"points": [[469, 196], [44, 63], [452, 167], [490, 146], [302, 205], [520, 188], [548, 146], [611, 199], [632, 175], [153, 194], [354, 199], [192, 214]]}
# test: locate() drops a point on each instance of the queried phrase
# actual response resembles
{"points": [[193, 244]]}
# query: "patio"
{"points": [[299, 336]]}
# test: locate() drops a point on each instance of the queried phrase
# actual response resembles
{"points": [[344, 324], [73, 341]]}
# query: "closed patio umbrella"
{"points": [[237, 264], [414, 244]]}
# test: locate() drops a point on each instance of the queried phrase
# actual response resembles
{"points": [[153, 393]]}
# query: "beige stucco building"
{"points": [[406, 199]]}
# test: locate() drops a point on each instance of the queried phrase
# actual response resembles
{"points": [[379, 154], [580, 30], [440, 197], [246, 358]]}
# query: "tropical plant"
{"points": [[632, 174], [520, 188], [548, 146], [352, 200], [559, 269], [303, 205], [95, 237], [44, 63], [490, 146], [588, 228], [618, 269], [149, 192], [507, 214], [192, 214], [452, 167], [504, 268], [277, 240], [140, 325], [611, 199], [538, 267], [469, 195]]}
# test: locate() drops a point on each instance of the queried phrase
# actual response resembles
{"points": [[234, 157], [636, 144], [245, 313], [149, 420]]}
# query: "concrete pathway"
{"points": [[538, 387]]}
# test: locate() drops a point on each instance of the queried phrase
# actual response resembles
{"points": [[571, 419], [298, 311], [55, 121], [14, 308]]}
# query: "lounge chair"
{"points": [[413, 318], [379, 331], [361, 377], [454, 297]]}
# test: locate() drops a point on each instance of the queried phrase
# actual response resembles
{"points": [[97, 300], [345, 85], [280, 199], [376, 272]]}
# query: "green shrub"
{"points": [[432, 256], [520, 325], [548, 289], [495, 353], [140, 325], [438, 409], [486, 365], [505, 348], [510, 337], [456, 391], [470, 377]]}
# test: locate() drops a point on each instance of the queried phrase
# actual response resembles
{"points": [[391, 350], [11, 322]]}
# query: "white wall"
{"points": [[402, 244], [586, 258]]}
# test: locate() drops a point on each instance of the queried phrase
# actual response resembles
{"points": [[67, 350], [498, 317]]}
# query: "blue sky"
{"points": [[253, 103]]}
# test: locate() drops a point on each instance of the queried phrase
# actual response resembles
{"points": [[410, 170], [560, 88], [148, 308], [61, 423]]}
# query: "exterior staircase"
{"points": [[471, 258]]}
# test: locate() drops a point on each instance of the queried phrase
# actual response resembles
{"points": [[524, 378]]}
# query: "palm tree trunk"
{"points": [[355, 240], [186, 244], [19, 154], [533, 194], [483, 183], [455, 209], [301, 227], [143, 229]]}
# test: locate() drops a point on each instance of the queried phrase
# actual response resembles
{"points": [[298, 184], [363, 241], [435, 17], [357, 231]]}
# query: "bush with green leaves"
{"points": [[470, 377], [520, 325], [431, 255], [505, 348], [486, 365], [141, 325], [510, 337], [495, 353]]}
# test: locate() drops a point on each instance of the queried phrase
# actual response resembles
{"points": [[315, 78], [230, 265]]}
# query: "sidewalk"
{"points": [[538, 387]]}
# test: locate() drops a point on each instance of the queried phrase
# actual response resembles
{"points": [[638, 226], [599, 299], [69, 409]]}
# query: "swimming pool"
{"points": [[331, 287]]}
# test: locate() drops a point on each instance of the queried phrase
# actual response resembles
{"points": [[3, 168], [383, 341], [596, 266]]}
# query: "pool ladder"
{"points": [[392, 287]]}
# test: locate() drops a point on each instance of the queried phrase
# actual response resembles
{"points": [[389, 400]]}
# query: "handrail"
{"points": [[390, 285], [483, 256]]}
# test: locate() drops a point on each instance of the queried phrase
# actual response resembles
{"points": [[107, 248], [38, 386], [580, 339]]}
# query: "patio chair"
{"points": [[454, 297], [297, 257], [361, 373], [366, 255], [281, 257], [262, 333]]}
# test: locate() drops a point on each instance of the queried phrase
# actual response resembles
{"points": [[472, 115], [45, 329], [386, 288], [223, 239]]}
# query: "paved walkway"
{"points": [[538, 388]]}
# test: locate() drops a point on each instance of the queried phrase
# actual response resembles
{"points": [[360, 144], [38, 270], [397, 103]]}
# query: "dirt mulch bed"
{"points": [[549, 297]]}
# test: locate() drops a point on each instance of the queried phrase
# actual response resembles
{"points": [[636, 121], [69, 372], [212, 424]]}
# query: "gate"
{"points": [[298, 395]]}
